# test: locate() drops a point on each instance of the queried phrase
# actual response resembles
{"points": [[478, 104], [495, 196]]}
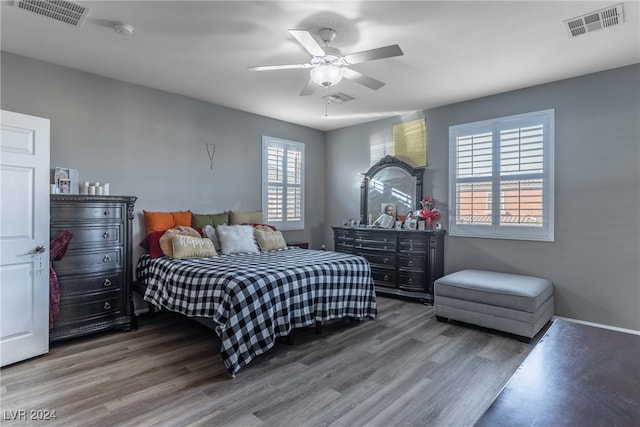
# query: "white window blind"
{"points": [[501, 177], [283, 183]]}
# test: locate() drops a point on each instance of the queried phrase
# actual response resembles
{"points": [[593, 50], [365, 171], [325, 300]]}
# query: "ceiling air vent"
{"points": [[61, 10], [338, 97], [593, 21]]}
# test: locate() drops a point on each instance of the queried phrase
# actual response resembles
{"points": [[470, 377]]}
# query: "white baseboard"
{"points": [[599, 325]]}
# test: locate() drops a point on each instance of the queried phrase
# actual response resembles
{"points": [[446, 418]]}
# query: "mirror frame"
{"points": [[386, 162]]}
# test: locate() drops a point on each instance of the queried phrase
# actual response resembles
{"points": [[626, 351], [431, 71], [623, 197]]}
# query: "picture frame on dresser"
{"points": [[96, 272]]}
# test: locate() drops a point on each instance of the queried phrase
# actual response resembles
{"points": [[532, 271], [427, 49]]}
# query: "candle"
{"points": [[105, 189], [54, 189], [92, 190]]}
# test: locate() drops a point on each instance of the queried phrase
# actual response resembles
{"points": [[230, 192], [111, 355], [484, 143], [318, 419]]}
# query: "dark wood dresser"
{"points": [[403, 262], [95, 273]]}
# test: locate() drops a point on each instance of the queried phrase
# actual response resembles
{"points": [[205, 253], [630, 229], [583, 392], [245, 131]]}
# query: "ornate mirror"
{"points": [[391, 185]]}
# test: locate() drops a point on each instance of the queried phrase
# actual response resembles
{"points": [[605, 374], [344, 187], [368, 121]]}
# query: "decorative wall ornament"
{"points": [[211, 151]]}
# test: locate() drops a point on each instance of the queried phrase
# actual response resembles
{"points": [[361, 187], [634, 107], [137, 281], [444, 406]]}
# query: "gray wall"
{"points": [[152, 144], [594, 261]]}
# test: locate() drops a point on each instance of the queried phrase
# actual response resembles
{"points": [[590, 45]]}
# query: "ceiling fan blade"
{"points": [[367, 81], [278, 67], [373, 54], [307, 41], [308, 88]]}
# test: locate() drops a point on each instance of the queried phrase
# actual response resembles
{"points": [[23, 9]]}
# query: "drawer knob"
{"points": [[107, 213], [106, 258], [386, 278], [385, 260], [410, 281], [107, 282], [410, 263], [107, 306], [106, 235]]}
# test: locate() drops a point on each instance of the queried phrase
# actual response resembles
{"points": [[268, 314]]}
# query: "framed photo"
{"points": [[64, 186], [67, 177], [390, 209], [413, 223]]}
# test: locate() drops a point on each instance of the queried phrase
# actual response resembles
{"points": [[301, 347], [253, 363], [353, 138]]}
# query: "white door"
{"points": [[24, 237]]}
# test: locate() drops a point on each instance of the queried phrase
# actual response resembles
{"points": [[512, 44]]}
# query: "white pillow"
{"points": [[210, 232], [236, 239]]}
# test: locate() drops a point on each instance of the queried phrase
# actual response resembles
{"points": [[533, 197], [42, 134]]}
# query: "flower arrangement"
{"points": [[428, 212]]}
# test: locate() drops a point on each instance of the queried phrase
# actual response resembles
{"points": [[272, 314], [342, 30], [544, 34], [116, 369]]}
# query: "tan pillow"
{"points": [[189, 247], [165, 240], [237, 218], [269, 240]]}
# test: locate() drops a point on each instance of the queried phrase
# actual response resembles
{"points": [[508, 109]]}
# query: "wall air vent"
{"points": [[593, 21], [338, 97], [61, 10]]}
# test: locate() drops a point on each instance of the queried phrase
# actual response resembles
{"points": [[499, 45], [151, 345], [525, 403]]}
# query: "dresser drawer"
{"points": [[375, 241], [418, 262], [92, 235], [81, 309], [343, 234], [87, 212], [414, 245], [71, 286], [344, 245], [384, 277], [89, 261], [380, 259], [411, 281]]}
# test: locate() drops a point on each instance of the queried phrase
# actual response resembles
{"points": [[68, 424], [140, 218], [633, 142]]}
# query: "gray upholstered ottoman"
{"points": [[512, 303]]}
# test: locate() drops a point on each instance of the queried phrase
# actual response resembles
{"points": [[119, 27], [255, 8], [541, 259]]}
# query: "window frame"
{"points": [[284, 224], [544, 118]]}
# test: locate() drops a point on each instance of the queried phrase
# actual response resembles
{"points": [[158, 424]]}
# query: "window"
{"points": [[283, 183], [509, 160]]}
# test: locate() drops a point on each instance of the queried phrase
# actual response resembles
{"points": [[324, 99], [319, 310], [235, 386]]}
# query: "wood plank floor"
{"points": [[404, 368]]}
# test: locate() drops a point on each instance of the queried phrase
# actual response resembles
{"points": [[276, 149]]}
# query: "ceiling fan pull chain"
{"points": [[326, 105]]}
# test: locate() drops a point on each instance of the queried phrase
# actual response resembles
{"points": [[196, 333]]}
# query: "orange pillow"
{"points": [[163, 221]]}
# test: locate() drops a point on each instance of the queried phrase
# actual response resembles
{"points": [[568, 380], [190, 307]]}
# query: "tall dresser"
{"points": [[403, 262], [96, 271]]}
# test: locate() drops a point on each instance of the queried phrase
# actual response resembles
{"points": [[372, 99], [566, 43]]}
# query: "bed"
{"points": [[253, 298]]}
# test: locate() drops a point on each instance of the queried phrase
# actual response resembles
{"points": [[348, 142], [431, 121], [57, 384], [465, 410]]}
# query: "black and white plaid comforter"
{"points": [[254, 298]]}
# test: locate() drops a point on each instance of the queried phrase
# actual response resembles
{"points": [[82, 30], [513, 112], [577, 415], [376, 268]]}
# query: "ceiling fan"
{"points": [[328, 65]]}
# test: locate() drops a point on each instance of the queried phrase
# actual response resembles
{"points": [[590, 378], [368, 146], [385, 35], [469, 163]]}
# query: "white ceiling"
{"points": [[453, 50]]}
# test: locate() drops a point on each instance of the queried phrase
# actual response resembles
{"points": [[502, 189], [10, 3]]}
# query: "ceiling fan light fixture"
{"points": [[326, 74]]}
